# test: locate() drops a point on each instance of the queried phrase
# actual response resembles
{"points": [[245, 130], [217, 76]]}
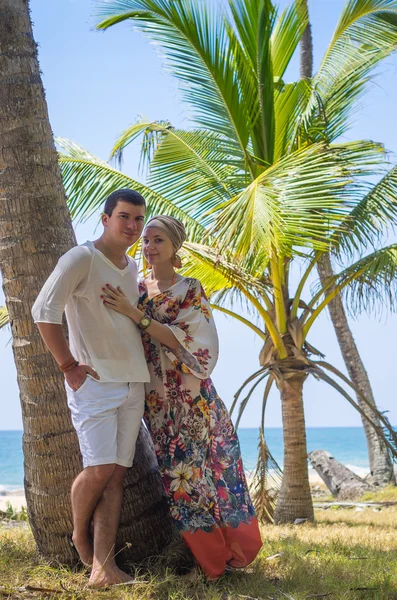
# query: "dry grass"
{"points": [[343, 551]]}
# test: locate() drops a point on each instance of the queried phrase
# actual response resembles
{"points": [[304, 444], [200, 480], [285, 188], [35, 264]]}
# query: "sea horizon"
{"points": [[351, 450]]}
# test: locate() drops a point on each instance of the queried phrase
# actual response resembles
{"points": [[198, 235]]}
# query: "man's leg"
{"points": [[107, 514], [94, 409], [87, 490], [106, 520]]}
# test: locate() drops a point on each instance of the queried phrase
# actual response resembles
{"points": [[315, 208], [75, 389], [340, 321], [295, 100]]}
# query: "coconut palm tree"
{"points": [[35, 229], [380, 463]]}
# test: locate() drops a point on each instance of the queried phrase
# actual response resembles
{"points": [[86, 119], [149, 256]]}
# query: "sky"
{"points": [[98, 83]]}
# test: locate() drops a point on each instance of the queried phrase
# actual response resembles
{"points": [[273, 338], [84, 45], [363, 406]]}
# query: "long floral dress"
{"points": [[196, 445]]}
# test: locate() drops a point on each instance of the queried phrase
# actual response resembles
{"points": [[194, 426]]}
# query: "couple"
{"points": [[136, 351]]}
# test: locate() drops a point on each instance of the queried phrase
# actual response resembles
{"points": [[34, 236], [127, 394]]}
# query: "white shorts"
{"points": [[107, 417]]}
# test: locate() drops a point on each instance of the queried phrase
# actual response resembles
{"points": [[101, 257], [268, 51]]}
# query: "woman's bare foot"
{"points": [[83, 545]]}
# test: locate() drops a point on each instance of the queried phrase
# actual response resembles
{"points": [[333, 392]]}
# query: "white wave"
{"points": [[11, 490]]}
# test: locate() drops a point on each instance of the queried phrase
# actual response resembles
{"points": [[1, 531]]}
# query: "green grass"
{"points": [[343, 551], [387, 494]]}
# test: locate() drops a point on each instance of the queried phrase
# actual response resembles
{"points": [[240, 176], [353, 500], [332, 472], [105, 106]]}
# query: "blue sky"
{"points": [[96, 85]]}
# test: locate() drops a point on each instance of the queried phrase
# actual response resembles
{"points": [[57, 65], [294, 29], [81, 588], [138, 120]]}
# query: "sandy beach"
{"points": [[17, 498]]}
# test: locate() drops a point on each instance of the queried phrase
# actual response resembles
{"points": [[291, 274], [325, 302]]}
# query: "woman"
{"points": [[195, 441]]}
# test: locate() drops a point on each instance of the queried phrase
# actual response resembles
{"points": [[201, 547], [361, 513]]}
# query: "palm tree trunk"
{"points": [[381, 466], [306, 49], [35, 229], [294, 500]]}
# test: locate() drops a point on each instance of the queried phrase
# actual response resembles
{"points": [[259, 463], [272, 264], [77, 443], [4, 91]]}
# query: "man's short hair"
{"points": [[125, 195]]}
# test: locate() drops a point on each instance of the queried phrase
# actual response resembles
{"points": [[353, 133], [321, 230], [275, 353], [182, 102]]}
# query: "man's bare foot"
{"points": [[125, 577], [101, 578], [83, 545]]}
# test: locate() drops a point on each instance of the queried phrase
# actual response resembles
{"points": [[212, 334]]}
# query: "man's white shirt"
{"points": [[98, 336]]}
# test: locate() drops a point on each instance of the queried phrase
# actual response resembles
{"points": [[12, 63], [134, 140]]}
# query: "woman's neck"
{"points": [[163, 272]]}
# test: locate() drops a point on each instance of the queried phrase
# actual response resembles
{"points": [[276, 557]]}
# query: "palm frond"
{"points": [[289, 103], [151, 132], [370, 284], [367, 22], [387, 434], [266, 482], [365, 35], [254, 22], [244, 402], [88, 180], [268, 475], [195, 170], [241, 319], [188, 168], [4, 319], [371, 218], [244, 385], [286, 35], [221, 277], [298, 201], [194, 42]]}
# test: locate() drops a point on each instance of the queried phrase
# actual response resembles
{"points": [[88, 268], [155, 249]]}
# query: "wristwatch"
{"points": [[144, 323]]}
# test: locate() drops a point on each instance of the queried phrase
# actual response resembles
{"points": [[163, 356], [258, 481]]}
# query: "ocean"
{"points": [[347, 444]]}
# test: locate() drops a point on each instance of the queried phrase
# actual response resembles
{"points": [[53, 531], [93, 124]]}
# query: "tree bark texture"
{"points": [[306, 50], [381, 466], [294, 500], [35, 230], [341, 481]]}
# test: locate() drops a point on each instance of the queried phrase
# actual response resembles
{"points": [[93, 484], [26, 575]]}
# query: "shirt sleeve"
{"points": [[68, 278], [195, 330]]}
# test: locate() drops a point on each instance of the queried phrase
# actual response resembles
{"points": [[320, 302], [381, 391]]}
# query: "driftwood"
{"points": [[341, 481], [376, 505]]}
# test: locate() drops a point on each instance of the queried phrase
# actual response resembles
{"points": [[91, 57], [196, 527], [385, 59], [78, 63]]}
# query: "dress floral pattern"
{"points": [[196, 445]]}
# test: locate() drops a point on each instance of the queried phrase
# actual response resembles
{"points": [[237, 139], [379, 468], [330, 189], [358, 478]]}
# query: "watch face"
{"points": [[145, 322]]}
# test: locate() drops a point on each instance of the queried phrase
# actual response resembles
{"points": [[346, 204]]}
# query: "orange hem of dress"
{"points": [[234, 546]]}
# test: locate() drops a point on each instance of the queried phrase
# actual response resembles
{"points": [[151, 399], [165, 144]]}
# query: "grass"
{"points": [[344, 555], [387, 494]]}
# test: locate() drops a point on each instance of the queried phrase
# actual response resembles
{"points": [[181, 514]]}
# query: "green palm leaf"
{"points": [[371, 282], [287, 34], [364, 21], [189, 167], [371, 218], [194, 42], [151, 132], [222, 279], [289, 104], [298, 201], [254, 22], [88, 181], [4, 319], [365, 35]]}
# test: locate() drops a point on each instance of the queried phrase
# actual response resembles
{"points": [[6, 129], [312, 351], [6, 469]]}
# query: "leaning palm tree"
{"points": [[263, 185], [380, 463]]}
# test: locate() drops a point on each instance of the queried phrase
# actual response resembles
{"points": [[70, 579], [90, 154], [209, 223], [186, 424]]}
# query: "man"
{"points": [[105, 371]]}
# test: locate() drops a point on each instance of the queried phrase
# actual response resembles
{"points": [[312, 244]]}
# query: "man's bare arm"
{"points": [[55, 341]]}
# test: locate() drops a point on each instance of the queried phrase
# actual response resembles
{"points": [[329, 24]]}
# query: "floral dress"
{"points": [[196, 445]]}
